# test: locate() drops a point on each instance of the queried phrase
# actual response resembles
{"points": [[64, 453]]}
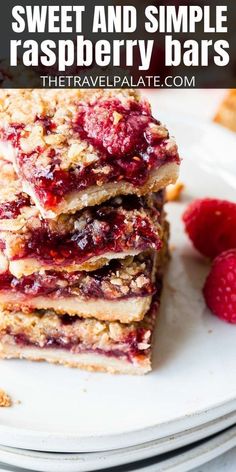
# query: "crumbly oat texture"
{"points": [[120, 291], [74, 148], [39, 328], [23, 105]]}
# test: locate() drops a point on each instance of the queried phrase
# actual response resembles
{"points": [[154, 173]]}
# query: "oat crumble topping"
{"points": [[69, 140]]}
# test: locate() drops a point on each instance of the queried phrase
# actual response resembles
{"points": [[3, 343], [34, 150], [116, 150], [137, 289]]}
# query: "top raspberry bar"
{"points": [[76, 148]]}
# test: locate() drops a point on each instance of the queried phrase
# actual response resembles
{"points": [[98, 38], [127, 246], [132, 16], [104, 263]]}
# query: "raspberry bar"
{"points": [[77, 148], [84, 343], [85, 240], [120, 291]]}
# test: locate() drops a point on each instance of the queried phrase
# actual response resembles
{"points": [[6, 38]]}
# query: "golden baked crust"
{"points": [[88, 361], [29, 265], [123, 310]]}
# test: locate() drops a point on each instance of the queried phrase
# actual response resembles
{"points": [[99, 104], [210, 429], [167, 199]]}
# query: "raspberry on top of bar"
{"points": [[78, 148]]}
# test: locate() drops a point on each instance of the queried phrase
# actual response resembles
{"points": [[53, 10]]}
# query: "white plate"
{"points": [[194, 376], [193, 457], [55, 462]]}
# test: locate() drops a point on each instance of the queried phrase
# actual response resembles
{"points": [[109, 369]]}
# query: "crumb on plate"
{"points": [[226, 113], [173, 192], [5, 399]]}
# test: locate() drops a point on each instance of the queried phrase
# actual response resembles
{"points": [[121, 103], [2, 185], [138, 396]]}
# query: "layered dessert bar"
{"points": [[85, 240], [84, 343], [120, 291], [83, 236], [74, 149]]}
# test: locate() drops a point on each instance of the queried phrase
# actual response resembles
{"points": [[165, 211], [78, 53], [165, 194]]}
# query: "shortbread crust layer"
{"points": [[77, 149], [89, 361], [88, 344]]}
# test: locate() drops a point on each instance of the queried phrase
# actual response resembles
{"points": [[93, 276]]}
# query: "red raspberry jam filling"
{"points": [[47, 123], [12, 209], [102, 229], [125, 137], [78, 348], [96, 284], [13, 133]]}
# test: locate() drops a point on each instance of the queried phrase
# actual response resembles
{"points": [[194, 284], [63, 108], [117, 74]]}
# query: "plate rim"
{"points": [[82, 463], [198, 455], [102, 442]]}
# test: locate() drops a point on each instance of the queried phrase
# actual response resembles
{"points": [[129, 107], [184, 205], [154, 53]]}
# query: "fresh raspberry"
{"points": [[211, 225], [220, 286]]}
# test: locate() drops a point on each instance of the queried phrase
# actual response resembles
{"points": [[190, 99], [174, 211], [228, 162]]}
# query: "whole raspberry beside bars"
{"points": [[211, 225], [220, 287]]}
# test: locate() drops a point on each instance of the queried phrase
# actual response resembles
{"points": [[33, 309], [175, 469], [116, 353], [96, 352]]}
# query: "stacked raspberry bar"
{"points": [[83, 236]]}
